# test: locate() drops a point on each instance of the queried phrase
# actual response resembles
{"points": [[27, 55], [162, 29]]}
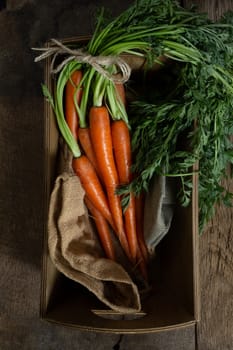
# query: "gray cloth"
{"points": [[159, 208]]}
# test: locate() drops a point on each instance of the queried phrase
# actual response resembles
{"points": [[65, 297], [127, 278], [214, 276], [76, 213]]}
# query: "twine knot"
{"points": [[99, 63]]}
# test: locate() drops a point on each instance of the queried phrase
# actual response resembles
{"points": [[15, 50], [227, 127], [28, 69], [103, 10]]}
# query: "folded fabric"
{"points": [[159, 209], [75, 250]]}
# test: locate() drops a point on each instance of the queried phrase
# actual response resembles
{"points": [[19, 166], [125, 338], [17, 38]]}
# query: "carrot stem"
{"points": [[99, 89], [73, 94], [115, 103], [59, 110], [82, 108]]}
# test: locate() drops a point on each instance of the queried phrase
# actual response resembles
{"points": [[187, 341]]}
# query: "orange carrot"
{"points": [[139, 204], [130, 226], [70, 110], [122, 152], [142, 264], [85, 142], [100, 130], [102, 229], [91, 185]]}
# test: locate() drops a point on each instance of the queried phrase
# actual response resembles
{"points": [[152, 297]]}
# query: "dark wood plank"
{"points": [[214, 8], [215, 331], [21, 224]]}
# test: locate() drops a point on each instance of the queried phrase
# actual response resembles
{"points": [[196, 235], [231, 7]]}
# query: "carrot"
{"points": [[130, 226], [135, 209], [84, 131], [70, 110], [142, 264], [139, 204], [102, 229], [100, 130], [91, 185], [122, 152], [85, 142]]}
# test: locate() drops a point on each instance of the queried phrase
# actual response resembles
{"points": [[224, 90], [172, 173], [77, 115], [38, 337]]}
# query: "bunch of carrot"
{"points": [[104, 162], [93, 120]]}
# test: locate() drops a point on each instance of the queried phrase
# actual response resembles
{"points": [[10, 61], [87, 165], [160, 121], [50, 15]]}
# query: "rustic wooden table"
{"points": [[215, 331], [28, 23]]}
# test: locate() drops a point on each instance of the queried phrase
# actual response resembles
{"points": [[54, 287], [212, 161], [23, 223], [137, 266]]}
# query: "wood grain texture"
{"points": [[29, 23], [215, 331], [214, 8]]}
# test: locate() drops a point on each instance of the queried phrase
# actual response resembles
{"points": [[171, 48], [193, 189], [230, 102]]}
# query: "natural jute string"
{"points": [[99, 63]]}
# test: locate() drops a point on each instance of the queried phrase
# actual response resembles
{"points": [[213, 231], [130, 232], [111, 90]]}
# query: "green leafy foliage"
{"points": [[198, 113], [188, 119]]}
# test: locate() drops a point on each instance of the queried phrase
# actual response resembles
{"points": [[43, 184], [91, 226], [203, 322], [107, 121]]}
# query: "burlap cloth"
{"points": [[74, 246]]}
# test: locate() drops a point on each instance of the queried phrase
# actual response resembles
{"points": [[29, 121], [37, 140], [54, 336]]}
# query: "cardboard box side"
{"points": [[79, 308], [50, 151], [177, 259], [121, 330], [196, 262]]}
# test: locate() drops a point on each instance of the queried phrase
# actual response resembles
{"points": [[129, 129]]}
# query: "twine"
{"points": [[99, 63]]}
